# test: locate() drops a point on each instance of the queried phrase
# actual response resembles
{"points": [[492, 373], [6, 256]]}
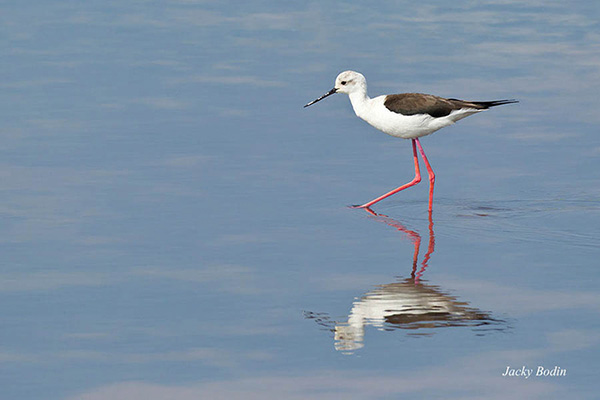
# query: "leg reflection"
{"points": [[415, 237]]}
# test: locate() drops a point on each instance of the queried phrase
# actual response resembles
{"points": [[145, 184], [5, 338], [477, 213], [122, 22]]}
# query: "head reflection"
{"points": [[409, 304]]}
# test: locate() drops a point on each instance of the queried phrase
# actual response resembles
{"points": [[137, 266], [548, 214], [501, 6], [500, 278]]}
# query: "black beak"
{"points": [[332, 91]]}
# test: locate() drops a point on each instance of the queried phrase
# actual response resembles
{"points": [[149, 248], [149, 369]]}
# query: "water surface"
{"points": [[174, 223]]}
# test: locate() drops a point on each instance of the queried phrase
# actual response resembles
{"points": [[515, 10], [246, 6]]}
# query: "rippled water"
{"points": [[175, 224]]}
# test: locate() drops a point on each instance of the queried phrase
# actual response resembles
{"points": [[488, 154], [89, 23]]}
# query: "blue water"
{"points": [[175, 225]]}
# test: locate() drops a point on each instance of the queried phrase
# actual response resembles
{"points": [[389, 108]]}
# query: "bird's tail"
{"points": [[487, 104]]}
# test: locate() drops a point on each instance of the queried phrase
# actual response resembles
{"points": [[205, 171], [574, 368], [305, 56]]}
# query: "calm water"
{"points": [[174, 223]]}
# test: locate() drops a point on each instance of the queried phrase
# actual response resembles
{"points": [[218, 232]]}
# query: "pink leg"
{"points": [[429, 173], [416, 180]]}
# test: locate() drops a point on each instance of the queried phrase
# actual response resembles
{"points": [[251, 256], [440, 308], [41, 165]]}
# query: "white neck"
{"points": [[360, 102]]}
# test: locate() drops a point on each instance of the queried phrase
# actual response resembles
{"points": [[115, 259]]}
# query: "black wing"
{"points": [[418, 103]]}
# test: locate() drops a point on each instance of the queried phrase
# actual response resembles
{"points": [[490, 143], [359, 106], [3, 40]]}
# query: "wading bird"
{"points": [[407, 116]]}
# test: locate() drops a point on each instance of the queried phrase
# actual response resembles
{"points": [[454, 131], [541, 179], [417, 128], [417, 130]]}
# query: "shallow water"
{"points": [[175, 224]]}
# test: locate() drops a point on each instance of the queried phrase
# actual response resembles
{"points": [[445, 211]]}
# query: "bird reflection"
{"points": [[409, 304]]}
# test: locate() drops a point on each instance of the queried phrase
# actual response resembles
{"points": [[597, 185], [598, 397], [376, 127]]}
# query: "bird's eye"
{"points": [[343, 82]]}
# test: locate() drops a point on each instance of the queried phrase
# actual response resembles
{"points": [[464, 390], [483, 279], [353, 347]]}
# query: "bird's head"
{"points": [[347, 82]]}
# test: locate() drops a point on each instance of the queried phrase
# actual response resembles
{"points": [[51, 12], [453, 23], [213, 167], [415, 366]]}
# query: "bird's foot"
{"points": [[367, 209]]}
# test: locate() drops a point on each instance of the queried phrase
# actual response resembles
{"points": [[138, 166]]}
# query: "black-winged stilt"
{"points": [[407, 116]]}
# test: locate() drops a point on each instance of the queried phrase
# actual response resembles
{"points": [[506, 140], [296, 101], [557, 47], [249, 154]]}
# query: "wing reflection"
{"points": [[409, 304]]}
